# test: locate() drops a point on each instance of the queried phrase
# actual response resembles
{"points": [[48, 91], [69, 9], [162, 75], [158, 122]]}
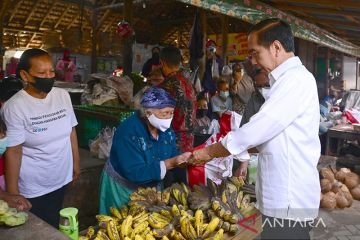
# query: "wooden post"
{"points": [[2, 14], [225, 28], [128, 43], [327, 66], [202, 61], [94, 41]]}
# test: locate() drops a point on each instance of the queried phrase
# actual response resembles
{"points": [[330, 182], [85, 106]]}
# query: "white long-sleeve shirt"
{"points": [[285, 131]]}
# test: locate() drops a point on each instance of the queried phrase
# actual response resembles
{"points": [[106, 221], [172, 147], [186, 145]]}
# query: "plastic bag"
{"points": [[100, 147], [353, 115]]}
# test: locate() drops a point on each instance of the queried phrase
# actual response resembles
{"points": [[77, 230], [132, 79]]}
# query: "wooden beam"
{"points": [[225, 31], [94, 38], [327, 11], [117, 5], [87, 4], [110, 24], [103, 18], [17, 5], [32, 11], [32, 38], [48, 13], [62, 16], [127, 46], [73, 21], [327, 3]]}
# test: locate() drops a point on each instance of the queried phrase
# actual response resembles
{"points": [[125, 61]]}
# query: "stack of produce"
{"points": [[338, 188], [178, 213], [10, 217]]}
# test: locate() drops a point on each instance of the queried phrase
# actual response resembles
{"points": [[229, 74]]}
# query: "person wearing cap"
{"points": [[143, 150]]}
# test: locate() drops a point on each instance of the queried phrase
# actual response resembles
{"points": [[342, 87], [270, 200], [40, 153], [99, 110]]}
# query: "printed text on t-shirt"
{"points": [[46, 118]]}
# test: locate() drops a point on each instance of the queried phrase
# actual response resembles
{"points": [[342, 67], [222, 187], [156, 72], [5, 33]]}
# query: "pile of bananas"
{"points": [[10, 216], [230, 202], [178, 213], [175, 223]]}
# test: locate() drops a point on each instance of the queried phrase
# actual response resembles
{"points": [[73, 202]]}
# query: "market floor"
{"points": [[341, 224]]}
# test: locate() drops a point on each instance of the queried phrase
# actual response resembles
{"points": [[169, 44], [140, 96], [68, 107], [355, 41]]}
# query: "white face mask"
{"points": [[161, 124], [265, 92]]}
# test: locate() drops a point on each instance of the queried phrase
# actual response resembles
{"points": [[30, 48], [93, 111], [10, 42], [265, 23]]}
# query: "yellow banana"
{"points": [[164, 238], [161, 217], [175, 211], [183, 199], [145, 232], [140, 220], [185, 188], [139, 215], [165, 196], [156, 222], [101, 235], [191, 232], [223, 197], [166, 214], [199, 220], [90, 232], [127, 238], [83, 238], [126, 226], [112, 231], [103, 218], [211, 227], [218, 236], [138, 237], [115, 213], [178, 236], [176, 193], [149, 237], [140, 228], [215, 205]]}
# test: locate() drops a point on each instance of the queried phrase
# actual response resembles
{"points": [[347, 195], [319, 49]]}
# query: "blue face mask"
{"points": [[224, 94], [3, 145]]}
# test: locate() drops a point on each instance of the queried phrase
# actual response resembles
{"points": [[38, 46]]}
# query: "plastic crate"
{"points": [[91, 119]]}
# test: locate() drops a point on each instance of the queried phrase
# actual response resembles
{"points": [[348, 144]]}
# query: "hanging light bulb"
{"points": [[144, 5]]}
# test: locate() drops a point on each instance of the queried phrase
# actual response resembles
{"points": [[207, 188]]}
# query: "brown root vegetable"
{"points": [[336, 187], [325, 185], [344, 188], [345, 170], [355, 192], [328, 201], [340, 176], [349, 197], [327, 174], [351, 180], [341, 200]]}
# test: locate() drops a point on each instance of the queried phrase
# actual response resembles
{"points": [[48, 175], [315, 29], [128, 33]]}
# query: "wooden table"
{"points": [[342, 132], [249, 229], [33, 229]]}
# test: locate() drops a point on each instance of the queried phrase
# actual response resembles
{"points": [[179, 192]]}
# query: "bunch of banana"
{"points": [[10, 216], [200, 198], [194, 228], [179, 194]]}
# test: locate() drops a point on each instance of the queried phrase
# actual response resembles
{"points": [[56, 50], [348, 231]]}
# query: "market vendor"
{"points": [[42, 156], [143, 150], [285, 130]]}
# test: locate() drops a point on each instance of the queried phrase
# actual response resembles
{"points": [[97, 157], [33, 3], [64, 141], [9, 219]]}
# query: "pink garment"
{"points": [[2, 182], [66, 70]]}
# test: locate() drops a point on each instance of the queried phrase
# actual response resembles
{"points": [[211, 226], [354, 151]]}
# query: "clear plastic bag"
{"points": [[100, 147]]}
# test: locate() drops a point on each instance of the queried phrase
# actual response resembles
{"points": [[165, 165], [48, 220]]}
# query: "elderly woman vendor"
{"points": [[143, 149]]}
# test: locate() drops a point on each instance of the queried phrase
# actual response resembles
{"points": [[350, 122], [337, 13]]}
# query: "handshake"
{"points": [[198, 157]]}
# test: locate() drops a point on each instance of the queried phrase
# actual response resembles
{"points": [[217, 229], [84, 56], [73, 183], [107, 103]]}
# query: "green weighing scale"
{"points": [[69, 224]]}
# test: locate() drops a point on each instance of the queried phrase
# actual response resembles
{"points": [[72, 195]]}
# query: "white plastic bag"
{"points": [[100, 147]]}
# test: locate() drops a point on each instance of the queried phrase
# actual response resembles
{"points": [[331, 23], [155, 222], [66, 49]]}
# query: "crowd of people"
{"points": [[151, 148]]}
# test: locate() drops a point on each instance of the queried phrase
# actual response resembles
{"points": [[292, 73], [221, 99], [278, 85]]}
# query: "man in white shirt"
{"points": [[285, 131]]}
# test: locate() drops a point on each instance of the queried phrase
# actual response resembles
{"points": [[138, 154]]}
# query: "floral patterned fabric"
{"points": [[182, 91]]}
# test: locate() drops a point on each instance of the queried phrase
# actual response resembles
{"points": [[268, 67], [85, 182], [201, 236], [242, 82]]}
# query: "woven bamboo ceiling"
{"points": [[28, 23]]}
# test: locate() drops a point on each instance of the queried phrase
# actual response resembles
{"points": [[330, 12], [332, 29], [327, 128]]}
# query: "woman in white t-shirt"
{"points": [[42, 155]]}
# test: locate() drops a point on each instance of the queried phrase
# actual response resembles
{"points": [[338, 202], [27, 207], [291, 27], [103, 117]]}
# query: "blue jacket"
{"points": [[136, 155]]}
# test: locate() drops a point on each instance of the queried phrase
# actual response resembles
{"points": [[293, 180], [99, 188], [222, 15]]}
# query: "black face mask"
{"points": [[200, 113], [43, 84]]}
